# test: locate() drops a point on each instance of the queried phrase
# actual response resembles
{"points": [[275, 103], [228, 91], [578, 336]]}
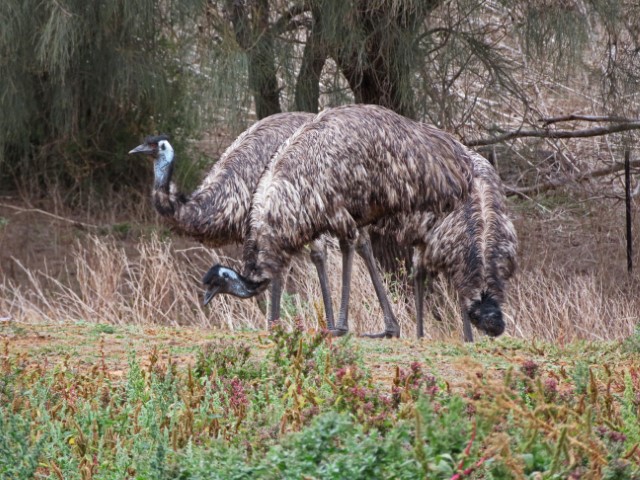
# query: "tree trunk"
{"points": [[307, 92], [379, 68], [255, 38]]}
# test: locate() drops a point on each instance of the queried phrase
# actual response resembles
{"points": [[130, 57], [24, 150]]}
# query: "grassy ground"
{"points": [[82, 400], [110, 368]]}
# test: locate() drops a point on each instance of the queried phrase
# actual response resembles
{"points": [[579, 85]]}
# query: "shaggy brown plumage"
{"points": [[474, 246], [215, 213], [348, 168]]}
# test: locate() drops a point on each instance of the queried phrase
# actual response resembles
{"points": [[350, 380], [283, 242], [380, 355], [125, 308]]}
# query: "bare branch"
{"points": [[586, 118], [75, 223], [590, 132], [560, 182], [286, 21]]}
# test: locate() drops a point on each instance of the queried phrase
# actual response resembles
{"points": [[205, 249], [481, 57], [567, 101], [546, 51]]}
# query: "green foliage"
{"points": [[632, 343], [104, 328], [334, 446], [83, 82], [556, 31], [580, 375], [18, 454], [631, 409], [308, 409], [223, 359]]}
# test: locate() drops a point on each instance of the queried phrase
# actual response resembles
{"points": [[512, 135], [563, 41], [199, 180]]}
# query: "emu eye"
{"points": [[163, 146], [225, 274]]}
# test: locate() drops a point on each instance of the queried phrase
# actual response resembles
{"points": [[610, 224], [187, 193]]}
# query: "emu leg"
{"points": [[319, 257], [276, 294], [347, 248], [466, 324], [391, 327], [419, 278]]}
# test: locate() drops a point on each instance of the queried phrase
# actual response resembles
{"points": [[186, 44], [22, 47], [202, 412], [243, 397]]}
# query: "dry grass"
{"points": [[152, 283], [147, 280]]}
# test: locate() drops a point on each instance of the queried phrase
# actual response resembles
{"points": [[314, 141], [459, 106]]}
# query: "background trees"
{"points": [[82, 81]]}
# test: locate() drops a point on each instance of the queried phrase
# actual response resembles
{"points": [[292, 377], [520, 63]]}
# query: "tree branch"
{"points": [[75, 223], [557, 183], [591, 132], [285, 22], [586, 118]]}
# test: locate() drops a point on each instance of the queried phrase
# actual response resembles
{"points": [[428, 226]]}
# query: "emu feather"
{"points": [[350, 167], [474, 246]]}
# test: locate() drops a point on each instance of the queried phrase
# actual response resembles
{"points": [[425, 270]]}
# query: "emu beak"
{"points": [[144, 148], [209, 294]]}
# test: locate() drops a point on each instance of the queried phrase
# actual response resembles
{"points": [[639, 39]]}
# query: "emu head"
{"points": [[221, 279], [158, 148], [486, 315]]}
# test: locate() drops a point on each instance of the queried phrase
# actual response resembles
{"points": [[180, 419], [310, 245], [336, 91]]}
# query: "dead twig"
{"points": [[75, 223], [586, 118], [589, 132], [560, 182]]}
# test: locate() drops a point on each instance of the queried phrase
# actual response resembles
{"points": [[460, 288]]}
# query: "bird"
{"points": [[217, 211], [348, 168], [474, 246]]}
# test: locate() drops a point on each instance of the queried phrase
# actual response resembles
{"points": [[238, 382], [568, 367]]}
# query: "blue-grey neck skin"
{"points": [[163, 166], [235, 284], [241, 289]]}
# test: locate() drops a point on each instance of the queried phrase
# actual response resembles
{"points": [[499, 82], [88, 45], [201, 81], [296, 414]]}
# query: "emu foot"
{"points": [[385, 334], [337, 332]]}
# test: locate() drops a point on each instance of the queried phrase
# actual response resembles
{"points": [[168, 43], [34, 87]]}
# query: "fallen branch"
{"points": [[553, 184], [590, 132], [76, 223], [586, 118]]}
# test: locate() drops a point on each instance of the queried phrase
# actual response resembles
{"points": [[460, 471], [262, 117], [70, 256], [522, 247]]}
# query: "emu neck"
{"points": [[246, 288], [163, 171]]}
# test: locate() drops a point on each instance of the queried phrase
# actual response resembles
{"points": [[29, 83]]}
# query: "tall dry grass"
{"points": [[155, 282]]}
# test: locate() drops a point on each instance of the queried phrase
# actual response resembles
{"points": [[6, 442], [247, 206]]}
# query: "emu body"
{"points": [[216, 213], [348, 168], [474, 246]]}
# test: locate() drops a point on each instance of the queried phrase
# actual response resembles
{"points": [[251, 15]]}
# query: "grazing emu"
{"points": [[216, 212], [348, 168], [474, 246]]}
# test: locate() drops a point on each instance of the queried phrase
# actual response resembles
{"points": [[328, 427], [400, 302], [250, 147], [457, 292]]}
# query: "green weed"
{"points": [[310, 408]]}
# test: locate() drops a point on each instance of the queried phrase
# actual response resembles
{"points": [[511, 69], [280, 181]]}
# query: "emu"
{"points": [[347, 169], [474, 247], [217, 211]]}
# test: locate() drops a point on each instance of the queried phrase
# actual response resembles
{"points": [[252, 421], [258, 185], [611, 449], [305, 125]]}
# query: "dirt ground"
{"points": [[84, 346]]}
